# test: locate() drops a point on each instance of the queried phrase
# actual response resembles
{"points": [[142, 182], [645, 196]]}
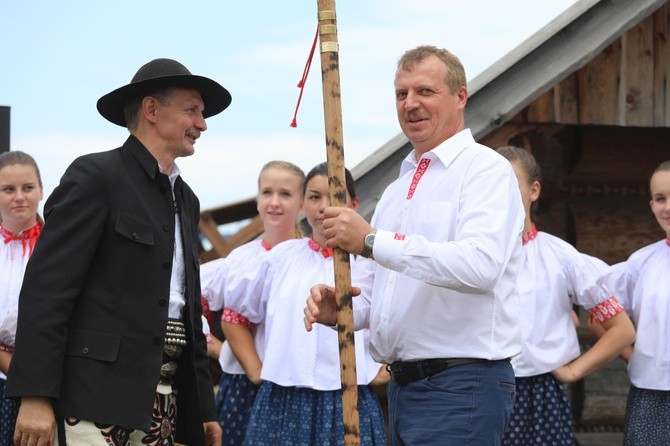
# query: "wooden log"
{"points": [[662, 66], [599, 88], [330, 74], [637, 79]]}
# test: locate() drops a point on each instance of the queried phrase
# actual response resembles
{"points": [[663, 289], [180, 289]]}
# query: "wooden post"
{"points": [[330, 73]]}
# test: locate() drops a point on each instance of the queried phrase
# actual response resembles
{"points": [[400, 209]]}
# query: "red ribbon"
{"points": [[303, 80], [28, 236]]}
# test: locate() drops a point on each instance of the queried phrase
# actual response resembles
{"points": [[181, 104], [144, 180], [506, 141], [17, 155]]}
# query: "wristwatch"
{"points": [[368, 243]]}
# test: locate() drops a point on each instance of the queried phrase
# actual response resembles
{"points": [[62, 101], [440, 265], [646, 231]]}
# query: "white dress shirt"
{"points": [[178, 276], [446, 257], [641, 283], [554, 276], [275, 294]]}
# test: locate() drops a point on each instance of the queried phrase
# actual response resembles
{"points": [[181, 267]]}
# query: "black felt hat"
{"points": [[158, 75]]}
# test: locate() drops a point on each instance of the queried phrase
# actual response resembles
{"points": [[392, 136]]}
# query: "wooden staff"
{"points": [[330, 73]]}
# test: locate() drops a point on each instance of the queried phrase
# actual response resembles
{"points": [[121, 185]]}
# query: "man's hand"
{"points": [[322, 306], [213, 433], [35, 423], [345, 228]]}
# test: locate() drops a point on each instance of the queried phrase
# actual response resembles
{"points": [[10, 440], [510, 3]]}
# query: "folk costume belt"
{"points": [[407, 372], [175, 341]]}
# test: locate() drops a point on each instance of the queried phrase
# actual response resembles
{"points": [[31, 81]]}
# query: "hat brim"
{"points": [[215, 97]]}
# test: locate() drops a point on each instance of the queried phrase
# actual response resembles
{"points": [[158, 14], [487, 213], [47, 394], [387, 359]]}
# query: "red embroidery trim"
{"points": [[205, 307], [327, 252], [233, 317], [399, 236], [28, 236], [605, 310], [530, 235], [6, 348], [667, 241], [266, 245], [420, 170]]}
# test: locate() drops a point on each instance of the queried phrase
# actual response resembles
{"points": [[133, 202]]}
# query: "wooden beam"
{"points": [[637, 75], [221, 246], [210, 230], [661, 94], [599, 87], [250, 232], [566, 102]]}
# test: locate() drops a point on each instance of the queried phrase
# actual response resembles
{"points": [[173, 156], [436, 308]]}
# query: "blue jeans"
{"points": [[465, 405]]}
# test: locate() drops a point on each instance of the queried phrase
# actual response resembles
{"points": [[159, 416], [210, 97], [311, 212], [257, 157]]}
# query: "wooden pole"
{"points": [[330, 73]]}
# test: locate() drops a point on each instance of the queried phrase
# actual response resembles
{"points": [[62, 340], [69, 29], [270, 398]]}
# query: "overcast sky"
{"points": [[58, 58]]}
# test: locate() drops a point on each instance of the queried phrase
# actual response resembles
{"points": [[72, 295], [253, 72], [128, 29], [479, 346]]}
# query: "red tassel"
{"points": [[303, 80]]}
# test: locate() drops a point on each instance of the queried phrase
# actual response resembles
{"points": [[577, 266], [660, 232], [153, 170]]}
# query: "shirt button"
{"points": [[166, 228], [84, 350], [158, 339], [162, 301]]}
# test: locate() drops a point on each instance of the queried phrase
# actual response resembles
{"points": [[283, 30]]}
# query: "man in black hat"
{"points": [[109, 346]]}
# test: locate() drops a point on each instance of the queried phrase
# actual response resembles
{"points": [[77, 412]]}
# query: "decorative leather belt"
{"points": [[175, 341], [407, 372]]}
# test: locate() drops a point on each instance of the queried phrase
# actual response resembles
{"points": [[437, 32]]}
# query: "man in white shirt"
{"points": [[439, 296]]}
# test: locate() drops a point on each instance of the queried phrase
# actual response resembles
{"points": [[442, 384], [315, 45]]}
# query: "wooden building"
{"points": [[589, 96]]}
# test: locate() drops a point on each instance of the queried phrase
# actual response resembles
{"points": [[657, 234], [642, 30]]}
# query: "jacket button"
{"points": [[166, 264], [166, 227], [162, 301], [158, 339], [84, 350], [135, 236]]}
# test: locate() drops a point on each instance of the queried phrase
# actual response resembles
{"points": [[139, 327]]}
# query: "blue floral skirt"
{"points": [[299, 416], [234, 402], [8, 411], [541, 413], [647, 417]]}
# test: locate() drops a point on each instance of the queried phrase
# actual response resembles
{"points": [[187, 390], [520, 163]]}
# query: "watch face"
{"points": [[369, 240]]}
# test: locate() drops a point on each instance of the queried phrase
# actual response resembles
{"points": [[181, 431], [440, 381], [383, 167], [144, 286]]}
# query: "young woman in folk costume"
{"points": [[553, 276], [642, 284], [300, 398], [20, 195], [279, 202]]}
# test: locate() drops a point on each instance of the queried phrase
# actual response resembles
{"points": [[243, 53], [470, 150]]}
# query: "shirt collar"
{"points": [[327, 252], [147, 160], [529, 236], [445, 152], [174, 174], [27, 237], [142, 155]]}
